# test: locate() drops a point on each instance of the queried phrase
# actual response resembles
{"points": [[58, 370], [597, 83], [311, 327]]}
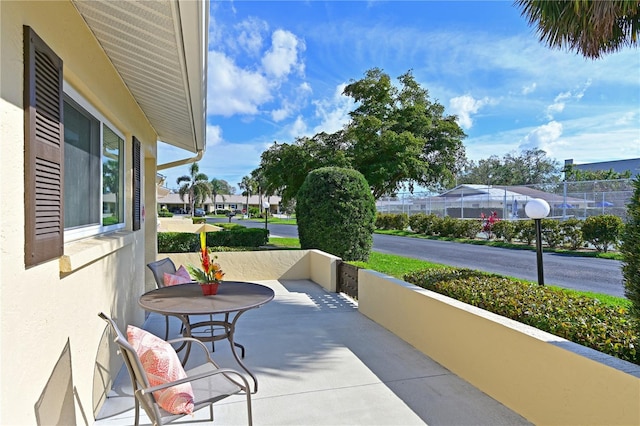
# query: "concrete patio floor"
{"points": [[320, 362]]}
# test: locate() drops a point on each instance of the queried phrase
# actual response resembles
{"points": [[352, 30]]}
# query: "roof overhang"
{"points": [[159, 48]]}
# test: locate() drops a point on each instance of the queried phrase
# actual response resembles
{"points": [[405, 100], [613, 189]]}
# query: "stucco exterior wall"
{"points": [[269, 265], [50, 334], [546, 379]]}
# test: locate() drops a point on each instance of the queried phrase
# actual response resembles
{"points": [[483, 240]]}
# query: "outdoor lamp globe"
{"points": [[537, 208]]}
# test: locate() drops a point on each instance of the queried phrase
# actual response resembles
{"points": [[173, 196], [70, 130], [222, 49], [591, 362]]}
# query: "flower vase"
{"points": [[209, 289]]}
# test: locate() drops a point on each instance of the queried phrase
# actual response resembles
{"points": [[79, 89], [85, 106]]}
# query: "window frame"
{"points": [[76, 233]]}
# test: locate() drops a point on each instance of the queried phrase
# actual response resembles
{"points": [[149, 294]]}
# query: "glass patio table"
{"points": [[232, 300]]}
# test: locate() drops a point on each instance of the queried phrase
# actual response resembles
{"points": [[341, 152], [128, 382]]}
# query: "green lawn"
{"points": [[275, 220], [397, 266], [284, 242]]}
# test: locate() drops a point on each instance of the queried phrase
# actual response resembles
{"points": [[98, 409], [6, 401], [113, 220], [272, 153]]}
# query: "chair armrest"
{"points": [[199, 345], [244, 385]]}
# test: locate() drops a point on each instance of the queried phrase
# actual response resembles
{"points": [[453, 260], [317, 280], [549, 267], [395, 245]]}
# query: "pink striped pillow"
{"points": [[162, 365], [180, 277]]}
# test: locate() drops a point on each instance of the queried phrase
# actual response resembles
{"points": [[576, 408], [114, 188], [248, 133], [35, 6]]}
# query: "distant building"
{"points": [[236, 203], [619, 166]]}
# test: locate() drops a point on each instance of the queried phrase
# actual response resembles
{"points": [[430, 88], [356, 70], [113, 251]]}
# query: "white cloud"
{"points": [[528, 89], [233, 90], [291, 106], [584, 88], [214, 135], [543, 137], [555, 108], [279, 114], [333, 113], [628, 118], [249, 37], [298, 128], [282, 58], [561, 99], [464, 106]]}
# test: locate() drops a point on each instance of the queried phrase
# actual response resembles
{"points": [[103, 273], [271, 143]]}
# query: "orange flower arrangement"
{"points": [[211, 272]]}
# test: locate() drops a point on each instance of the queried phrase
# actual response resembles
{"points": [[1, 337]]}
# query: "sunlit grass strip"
{"points": [[276, 220], [284, 242], [394, 265]]}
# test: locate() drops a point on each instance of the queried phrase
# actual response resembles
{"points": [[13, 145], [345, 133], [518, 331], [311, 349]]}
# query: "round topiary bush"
{"points": [[336, 213]]}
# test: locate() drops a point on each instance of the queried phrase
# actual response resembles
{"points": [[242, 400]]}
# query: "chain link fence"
{"points": [[566, 199]]}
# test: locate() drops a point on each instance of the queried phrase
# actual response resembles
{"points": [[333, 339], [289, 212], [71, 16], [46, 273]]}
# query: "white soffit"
{"points": [[159, 49]]}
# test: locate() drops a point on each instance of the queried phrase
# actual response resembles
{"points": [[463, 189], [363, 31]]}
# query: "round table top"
{"points": [[187, 299]]}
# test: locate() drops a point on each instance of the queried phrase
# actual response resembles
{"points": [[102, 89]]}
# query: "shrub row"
{"points": [[603, 231], [392, 221], [579, 319], [164, 213], [180, 242]]}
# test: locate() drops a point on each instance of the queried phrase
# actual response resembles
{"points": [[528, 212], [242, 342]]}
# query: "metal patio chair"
{"points": [[209, 386], [159, 268]]}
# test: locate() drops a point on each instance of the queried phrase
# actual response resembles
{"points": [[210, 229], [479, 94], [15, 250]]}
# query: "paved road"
{"points": [[580, 273]]}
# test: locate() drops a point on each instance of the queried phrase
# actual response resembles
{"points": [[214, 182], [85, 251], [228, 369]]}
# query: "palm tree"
{"points": [[196, 186], [259, 184], [592, 28], [219, 187], [247, 185]]}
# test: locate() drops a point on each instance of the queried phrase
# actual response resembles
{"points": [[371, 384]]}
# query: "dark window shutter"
{"points": [[44, 151], [137, 195]]}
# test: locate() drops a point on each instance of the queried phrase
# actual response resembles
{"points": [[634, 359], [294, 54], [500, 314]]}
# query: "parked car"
{"points": [[198, 213]]}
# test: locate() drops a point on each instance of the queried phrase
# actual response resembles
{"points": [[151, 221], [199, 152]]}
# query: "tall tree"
{"points": [[284, 167], [396, 137], [247, 186], [592, 28], [195, 186], [260, 184], [529, 167], [219, 187], [574, 174]]}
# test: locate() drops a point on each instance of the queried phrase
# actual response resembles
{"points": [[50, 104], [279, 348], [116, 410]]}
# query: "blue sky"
{"points": [[277, 69]]}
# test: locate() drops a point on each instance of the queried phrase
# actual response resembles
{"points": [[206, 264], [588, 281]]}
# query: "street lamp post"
{"points": [[265, 205], [537, 209]]}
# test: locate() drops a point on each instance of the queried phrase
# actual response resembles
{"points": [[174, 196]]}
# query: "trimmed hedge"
{"points": [[504, 230], [422, 223], [392, 221], [579, 319], [182, 242], [602, 231], [239, 237], [572, 233]]}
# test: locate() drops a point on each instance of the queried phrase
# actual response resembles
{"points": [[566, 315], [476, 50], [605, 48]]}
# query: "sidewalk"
{"points": [[320, 362]]}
